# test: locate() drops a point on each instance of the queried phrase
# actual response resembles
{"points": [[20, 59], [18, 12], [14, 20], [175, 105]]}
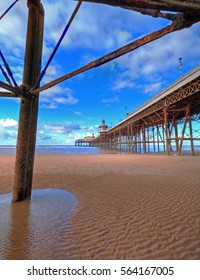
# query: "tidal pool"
{"points": [[35, 228]]}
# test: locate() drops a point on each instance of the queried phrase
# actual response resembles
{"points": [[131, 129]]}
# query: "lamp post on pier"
{"points": [[180, 65]]}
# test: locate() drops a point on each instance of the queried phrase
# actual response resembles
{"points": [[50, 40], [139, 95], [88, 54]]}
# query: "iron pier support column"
{"points": [[166, 131], [158, 141], [29, 104], [144, 138], [183, 130], [176, 136], [191, 135]]}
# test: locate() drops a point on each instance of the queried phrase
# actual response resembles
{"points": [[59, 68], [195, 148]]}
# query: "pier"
{"points": [[86, 141], [163, 124], [180, 105]]}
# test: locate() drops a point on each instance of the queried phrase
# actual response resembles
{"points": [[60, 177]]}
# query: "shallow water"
{"points": [[34, 229]]}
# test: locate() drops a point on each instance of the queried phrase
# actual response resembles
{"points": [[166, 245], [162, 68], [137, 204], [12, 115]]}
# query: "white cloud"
{"points": [[56, 96], [113, 99], [154, 87], [92, 27], [154, 64], [54, 133], [13, 28], [50, 105], [61, 128], [42, 136], [63, 133], [122, 83], [90, 128], [8, 123], [8, 131], [77, 113]]}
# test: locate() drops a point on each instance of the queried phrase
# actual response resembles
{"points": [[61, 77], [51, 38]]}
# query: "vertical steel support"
{"points": [[163, 138], [148, 140], [114, 140], [158, 141], [166, 131], [29, 104], [183, 131], [140, 138], [191, 135], [135, 142], [127, 139], [144, 139], [132, 144], [170, 129], [176, 136], [154, 148], [120, 140]]}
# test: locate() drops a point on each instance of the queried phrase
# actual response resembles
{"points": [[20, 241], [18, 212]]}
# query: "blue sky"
{"points": [[75, 108]]}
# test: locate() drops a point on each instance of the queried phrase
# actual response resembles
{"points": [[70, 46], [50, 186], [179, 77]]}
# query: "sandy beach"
{"points": [[128, 206]]}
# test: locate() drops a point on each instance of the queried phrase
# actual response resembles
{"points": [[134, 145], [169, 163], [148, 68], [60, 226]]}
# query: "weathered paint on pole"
{"points": [[29, 104]]}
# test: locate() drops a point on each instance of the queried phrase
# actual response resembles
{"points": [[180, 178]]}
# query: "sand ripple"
{"points": [[130, 206]]}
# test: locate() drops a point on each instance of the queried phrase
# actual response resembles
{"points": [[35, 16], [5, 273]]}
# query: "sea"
{"points": [[55, 149], [71, 149]]}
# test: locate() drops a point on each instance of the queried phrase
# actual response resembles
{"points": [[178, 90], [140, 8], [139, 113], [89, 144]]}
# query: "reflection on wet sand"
{"points": [[33, 229], [19, 233]]}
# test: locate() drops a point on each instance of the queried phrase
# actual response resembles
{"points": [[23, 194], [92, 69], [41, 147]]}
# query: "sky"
{"points": [[75, 108]]}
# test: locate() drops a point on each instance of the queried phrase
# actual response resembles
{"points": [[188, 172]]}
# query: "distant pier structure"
{"points": [[86, 141], [169, 122], [92, 140]]}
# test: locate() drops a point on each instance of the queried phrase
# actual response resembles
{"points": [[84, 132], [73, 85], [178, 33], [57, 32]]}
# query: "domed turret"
{"points": [[103, 127]]}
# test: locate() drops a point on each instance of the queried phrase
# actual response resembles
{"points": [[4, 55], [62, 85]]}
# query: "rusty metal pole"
{"points": [[183, 130], [176, 135], [144, 138], [158, 141], [191, 135], [131, 144], [29, 104], [166, 130]]}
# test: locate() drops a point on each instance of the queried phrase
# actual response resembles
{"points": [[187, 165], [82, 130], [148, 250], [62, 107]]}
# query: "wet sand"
{"points": [[128, 206]]}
